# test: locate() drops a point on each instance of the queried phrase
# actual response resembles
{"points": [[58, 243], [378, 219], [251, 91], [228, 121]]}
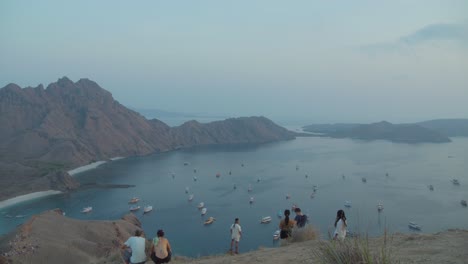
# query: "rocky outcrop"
{"points": [[52, 237], [44, 132]]}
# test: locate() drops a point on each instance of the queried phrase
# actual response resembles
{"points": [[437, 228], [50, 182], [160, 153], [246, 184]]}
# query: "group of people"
{"points": [[135, 249], [286, 226], [161, 249]]}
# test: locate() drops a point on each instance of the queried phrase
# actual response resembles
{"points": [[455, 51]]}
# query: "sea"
{"points": [[398, 176]]}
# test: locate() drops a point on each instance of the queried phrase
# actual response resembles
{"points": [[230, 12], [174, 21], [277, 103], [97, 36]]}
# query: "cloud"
{"points": [[456, 33]]}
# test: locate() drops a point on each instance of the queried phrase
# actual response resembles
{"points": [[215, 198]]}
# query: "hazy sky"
{"points": [[310, 61]]}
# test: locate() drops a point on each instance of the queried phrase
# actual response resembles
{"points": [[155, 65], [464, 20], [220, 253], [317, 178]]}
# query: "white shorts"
{"points": [[236, 238]]}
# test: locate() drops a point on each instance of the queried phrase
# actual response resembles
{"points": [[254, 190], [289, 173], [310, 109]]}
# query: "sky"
{"points": [[292, 61]]}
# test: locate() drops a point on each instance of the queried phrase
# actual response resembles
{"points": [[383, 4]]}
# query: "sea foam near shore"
{"points": [[27, 197]]}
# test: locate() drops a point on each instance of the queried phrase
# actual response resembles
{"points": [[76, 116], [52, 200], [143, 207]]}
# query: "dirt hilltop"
{"points": [[52, 237]]}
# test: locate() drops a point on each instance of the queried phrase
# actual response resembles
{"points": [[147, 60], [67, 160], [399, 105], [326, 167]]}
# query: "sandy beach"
{"points": [[86, 167], [27, 197]]}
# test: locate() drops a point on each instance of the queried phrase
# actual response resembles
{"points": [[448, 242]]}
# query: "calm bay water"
{"points": [[404, 192]]}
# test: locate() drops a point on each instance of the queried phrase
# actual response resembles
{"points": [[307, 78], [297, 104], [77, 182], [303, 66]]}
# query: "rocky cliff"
{"points": [[47, 131]]}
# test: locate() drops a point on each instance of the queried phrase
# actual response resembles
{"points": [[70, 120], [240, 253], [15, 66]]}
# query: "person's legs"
{"points": [[237, 247], [126, 256], [232, 244]]}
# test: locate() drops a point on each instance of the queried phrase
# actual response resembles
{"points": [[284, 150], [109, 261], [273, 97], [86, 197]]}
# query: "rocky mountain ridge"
{"points": [[68, 124]]}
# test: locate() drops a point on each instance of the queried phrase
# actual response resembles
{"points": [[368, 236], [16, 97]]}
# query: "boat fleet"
{"points": [[267, 219]]}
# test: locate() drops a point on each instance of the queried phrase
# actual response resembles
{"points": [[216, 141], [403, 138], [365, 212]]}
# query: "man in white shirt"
{"points": [[236, 232], [137, 244]]}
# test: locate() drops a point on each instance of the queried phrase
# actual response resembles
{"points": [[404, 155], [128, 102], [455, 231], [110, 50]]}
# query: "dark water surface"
{"points": [[404, 192]]}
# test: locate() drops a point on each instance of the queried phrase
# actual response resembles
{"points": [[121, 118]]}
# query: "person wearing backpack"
{"points": [[301, 219]]}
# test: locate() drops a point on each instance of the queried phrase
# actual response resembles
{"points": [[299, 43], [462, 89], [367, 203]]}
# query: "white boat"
{"points": [[380, 207], [288, 196], [87, 209], [414, 226], [251, 201], [276, 235], [190, 197], [134, 200], [250, 188], [455, 182], [265, 220], [186, 189], [134, 208], [463, 202], [201, 205], [203, 211], [210, 220], [347, 204], [195, 178], [147, 209], [218, 175], [314, 188]]}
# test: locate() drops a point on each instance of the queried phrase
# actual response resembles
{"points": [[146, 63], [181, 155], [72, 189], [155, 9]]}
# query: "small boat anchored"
{"points": [[134, 200], [252, 200], [380, 207], [463, 202], [276, 235], [265, 220], [201, 205], [203, 211], [134, 208], [87, 210], [347, 204], [414, 226], [147, 209], [210, 220], [455, 182], [190, 198]]}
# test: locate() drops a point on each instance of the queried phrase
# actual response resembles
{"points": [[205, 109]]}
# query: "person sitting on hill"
{"points": [[286, 225], [137, 245], [301, 219], [161, 249]]}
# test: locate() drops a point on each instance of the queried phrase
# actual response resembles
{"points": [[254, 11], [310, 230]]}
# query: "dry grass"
{"points": [[355, 250], [308, 232]]}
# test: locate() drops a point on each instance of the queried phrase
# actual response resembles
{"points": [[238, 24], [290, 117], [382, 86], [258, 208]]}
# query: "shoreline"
{"points": [[84, 168], [40, 194], [27, 197]]}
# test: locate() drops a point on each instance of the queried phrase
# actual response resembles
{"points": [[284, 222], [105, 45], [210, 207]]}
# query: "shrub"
{"points": [[354, 250]]}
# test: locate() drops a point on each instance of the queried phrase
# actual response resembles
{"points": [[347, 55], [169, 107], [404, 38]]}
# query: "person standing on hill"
{"points": [[137, 245], [301, 219], [286, 225], [340, 226], [236, 233]]}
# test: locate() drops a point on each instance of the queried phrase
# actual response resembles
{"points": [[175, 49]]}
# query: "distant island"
{"points": [[433, 131], [46, 132]]}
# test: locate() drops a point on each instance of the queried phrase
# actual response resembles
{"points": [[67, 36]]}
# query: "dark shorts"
{"points": [[285, 234], [158, 260]]}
